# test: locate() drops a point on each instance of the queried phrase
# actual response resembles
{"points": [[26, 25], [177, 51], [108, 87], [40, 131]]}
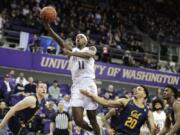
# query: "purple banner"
{"points": [[113, 72], [15, 58]]}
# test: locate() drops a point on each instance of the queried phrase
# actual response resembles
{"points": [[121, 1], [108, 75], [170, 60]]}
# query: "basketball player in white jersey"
{"points": [[81, 64]]}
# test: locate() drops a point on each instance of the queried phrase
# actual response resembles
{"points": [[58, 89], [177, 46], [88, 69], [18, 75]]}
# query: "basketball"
{"points": [[49, 13]]}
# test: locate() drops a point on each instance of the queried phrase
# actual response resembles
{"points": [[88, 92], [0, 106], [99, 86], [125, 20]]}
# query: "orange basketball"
{"points": [[49, 13]]}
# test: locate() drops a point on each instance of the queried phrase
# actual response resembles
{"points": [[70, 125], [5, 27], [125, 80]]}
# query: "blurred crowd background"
{"points": [[136, 33]]}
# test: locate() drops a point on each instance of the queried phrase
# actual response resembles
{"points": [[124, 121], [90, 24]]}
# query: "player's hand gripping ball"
{"points": [[49, 14]]}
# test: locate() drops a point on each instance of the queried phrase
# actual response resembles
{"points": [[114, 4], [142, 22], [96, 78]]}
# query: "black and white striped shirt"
{"points": [[61, 120]]}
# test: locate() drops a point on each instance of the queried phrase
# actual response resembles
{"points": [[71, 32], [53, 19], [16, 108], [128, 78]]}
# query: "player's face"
{"points": [[42, 89], [139, 92], [167, 93], [80, 41]]}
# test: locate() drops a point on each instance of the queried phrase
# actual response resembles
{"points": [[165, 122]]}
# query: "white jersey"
{"points": [[159, 118], [81, 67]]}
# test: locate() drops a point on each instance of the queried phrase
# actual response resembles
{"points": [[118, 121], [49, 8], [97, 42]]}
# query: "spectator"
{"points": [[30, 88], [20, 89], [54, 91], [169, 67], [107, 26], [3, 110], [12, 79], [105, 54], [35, 47], [5, 88], [128, 59], [49, 110], [47, 113], [21, 76], [110, 93], [66, 100]]}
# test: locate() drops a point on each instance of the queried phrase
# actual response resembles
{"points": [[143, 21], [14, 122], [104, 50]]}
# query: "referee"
{"points": [[61, 123]]}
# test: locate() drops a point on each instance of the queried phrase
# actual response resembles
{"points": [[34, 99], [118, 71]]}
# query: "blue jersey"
{"points": [[132, 118]]}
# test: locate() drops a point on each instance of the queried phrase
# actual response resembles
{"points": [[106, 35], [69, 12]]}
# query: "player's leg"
{"points": [[92, 118], [91, 106], [77, 113]]}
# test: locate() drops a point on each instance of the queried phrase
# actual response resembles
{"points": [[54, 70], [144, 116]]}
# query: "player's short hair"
{"points": [[39, 82], [157, 100], [145, 90], [174, 89], [55, 81]]}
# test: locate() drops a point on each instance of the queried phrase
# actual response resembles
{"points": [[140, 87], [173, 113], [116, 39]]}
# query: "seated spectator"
{"points": [[149, 63], [30, 88], [21, 76], [12, 79], [169, 67], [105, 55], [34, 45], [128, 59], [54, 91], [66, 100], [47, 113], [5, 88], [110, 93], [3, 109], [20, 89]]}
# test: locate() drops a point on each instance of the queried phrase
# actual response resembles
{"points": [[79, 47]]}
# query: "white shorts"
{"points": [[80, 100]]}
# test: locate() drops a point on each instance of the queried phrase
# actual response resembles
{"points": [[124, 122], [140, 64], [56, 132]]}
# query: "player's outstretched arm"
{"points": [[25, 103], [176, 126], [110, 113], [55, 35], [151, 125], [87, 54], [107, 103]]}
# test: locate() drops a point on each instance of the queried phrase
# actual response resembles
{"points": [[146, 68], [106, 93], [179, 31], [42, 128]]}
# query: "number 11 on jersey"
{"points": [[81, 64]]}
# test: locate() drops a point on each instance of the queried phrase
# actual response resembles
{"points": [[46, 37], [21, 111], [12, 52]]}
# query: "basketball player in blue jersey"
{"points": [[134, 113], [81, 64], [172, 123], [19, 116]]}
